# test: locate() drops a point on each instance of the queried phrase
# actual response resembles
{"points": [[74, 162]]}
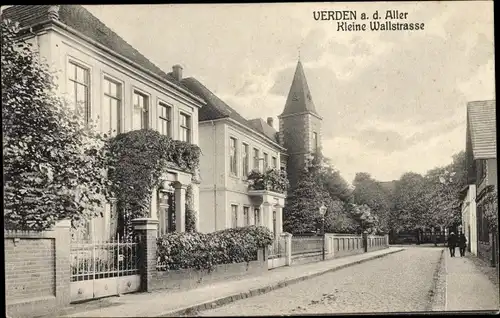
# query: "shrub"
{"points": [[205, 251], [54, 162]]}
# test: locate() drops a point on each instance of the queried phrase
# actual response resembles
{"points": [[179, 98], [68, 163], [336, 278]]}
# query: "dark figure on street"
{"points": [[452, 243], [462, 244]]}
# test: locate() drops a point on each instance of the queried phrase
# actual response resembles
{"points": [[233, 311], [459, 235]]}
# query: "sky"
{"points": [[392, 102]]}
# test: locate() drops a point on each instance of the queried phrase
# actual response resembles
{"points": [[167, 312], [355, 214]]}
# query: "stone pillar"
{"points": [[267, 214], [153, 209], [261, 216], [180, 208], [386, 240], [279, 219], [62, 271], [288, 248], [146, 231]]}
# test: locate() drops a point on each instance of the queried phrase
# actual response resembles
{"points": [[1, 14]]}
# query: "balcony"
{"points": [[274, 180]]}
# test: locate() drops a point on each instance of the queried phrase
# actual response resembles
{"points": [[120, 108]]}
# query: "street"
{"points": [[401, 282]]}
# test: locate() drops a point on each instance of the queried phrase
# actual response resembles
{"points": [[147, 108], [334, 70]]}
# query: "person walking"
{"points": [[462, 244], [452, 243]]}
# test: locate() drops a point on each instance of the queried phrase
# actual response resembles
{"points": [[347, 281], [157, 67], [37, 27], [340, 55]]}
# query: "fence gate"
{"points": [[277, 253], [103, 268]]}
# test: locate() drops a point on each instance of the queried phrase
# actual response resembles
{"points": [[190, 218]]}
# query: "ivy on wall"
{"points": [[138, 160]]}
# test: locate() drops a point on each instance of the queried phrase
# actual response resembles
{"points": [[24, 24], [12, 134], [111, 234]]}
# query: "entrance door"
{"points": [[166, 212]]}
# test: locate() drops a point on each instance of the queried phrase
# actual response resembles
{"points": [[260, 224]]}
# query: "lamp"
{"points": [[322, 212]]}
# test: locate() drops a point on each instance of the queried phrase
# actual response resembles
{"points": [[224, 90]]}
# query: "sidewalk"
{"points": [[175, 303], [466, 286]]}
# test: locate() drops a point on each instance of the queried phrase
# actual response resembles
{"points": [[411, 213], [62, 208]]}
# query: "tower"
{"points": [[300, 126]]}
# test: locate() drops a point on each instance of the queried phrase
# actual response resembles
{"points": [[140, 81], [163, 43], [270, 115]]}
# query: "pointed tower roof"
{"points": [[299, 98]]}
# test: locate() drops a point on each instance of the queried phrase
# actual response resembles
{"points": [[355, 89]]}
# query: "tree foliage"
{"points": [[319, 184], [54, 164], [301, 213], [370, 192], [429, 200]]}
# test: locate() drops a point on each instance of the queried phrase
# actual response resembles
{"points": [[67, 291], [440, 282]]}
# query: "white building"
{"points": [[232, 146], [469, 221], [120, 89]]}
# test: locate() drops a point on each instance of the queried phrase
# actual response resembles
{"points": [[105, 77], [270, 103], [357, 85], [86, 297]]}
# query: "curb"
{"points": [[259, 291], [435, 293]]}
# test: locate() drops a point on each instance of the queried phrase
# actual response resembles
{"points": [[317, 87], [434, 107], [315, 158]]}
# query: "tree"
{"points": [[364, 219], [301, 213], [370, 192], [54, 164], [320, 184], [410, 206], [337, 219], [330, 178], [444, 185]]}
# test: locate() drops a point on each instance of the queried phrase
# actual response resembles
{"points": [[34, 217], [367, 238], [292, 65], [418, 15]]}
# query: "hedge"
{"points": [[204, 251]]}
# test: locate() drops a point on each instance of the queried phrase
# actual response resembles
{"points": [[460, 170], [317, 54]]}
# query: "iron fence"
{"points": [[95, 259], [278, 248], [306, 244]]}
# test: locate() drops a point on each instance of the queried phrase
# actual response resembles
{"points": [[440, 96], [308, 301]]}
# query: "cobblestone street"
{"points": [[400, 282]]}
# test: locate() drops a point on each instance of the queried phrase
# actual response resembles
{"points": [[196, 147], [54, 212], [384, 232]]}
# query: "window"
{"points": [[185, 128], [164, 119], [246, 215], [245, 162], [256, 216], [275, 162], [141, 111], [234, 216], [111, 107], [256, 158], [78, 88], [315, 142], [266, 161], [232, 155]]}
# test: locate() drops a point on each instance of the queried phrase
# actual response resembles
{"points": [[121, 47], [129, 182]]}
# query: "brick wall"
{"points": [[37, 271]]}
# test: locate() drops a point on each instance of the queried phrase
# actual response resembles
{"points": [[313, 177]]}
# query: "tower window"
{"points": [[315, 142]]}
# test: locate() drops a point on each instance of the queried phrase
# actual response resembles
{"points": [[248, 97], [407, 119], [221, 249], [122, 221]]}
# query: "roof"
{"points": [[80, 19], [262, 126], [299, 98], [216, 108], [388, 186], [481, 125]]}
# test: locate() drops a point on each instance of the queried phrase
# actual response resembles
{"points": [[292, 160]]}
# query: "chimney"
{"points": [[270, 121], [53, 12], [177, 72]]}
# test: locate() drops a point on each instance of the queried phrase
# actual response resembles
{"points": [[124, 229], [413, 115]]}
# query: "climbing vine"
{"points": [[138, 159], [490, 202]]}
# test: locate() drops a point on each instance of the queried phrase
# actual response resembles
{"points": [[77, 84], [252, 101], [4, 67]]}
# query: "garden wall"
{"points": [[190, 278], [340, 245], [37, 271], [376, 243]]}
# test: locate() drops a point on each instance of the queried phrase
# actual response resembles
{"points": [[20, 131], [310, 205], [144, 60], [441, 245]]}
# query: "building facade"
{"points": [[482, 171], [231, 148], [469, 221], [119, 89]]}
